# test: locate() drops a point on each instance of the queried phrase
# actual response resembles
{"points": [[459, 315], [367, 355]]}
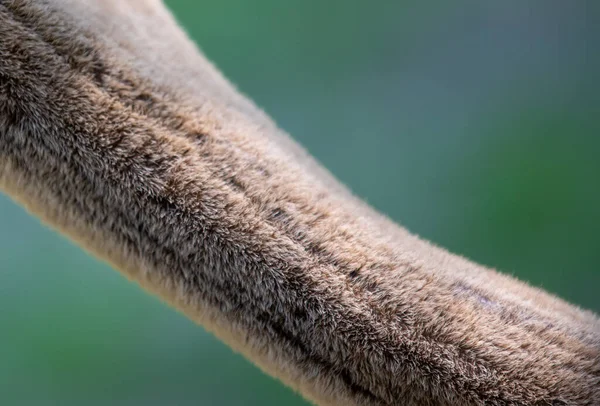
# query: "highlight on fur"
{"points": [[115, 130]]}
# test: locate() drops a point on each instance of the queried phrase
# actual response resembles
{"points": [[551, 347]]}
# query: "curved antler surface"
{"points": [[117, 131]]}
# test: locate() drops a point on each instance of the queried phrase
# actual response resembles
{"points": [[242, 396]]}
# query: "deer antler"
{"points": [[115, 130]]}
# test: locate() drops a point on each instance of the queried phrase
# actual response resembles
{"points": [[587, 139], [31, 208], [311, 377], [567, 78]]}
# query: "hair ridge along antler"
{"points": [[115, 130]]}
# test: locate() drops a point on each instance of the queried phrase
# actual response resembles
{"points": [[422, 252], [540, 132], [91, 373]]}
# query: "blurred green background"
{"points": [[476, 124]]}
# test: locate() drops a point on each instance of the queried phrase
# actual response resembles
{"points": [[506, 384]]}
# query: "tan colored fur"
{"points": [[117, 131]]}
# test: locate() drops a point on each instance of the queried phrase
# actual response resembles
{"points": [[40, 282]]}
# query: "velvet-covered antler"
{"points": [[116, 130]]}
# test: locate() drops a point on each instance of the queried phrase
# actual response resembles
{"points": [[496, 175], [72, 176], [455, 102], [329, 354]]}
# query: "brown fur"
{"points": [[117, 131]]}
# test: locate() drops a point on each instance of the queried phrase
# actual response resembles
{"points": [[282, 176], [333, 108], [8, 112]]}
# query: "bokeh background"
{"points": [[476, 124]]}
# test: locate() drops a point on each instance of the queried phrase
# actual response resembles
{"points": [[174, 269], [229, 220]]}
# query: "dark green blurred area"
{"points": [[476, 124]]}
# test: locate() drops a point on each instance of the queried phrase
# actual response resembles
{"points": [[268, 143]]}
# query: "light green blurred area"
{"points": [[476, 124]]}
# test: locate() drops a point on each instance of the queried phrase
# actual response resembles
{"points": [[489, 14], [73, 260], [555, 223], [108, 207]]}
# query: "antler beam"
{"points": [[115, 130]]}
